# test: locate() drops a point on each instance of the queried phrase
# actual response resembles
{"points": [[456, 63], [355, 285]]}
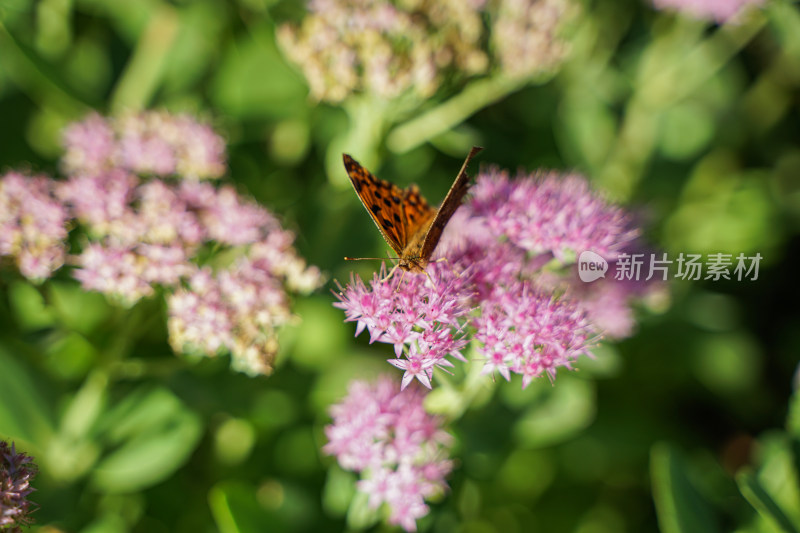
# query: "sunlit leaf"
{"points": [[680, 507]]}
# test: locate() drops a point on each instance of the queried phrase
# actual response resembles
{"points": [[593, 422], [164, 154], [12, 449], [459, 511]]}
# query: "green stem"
{"points": [[144, 71], [369, 117], [658, 89], [453, 112], [40, 81]]}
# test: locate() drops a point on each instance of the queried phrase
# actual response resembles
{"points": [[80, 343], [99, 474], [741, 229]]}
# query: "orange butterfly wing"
{"points": [[406, 221], [417, 213], [449, 205], [383, 201]]}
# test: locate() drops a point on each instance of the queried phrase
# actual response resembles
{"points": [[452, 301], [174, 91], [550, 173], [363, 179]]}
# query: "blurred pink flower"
{"points": [[720, 11], [240, 308], [548, 212], [226, 217], [143, 233], [400, 450], [154, 143], [33, 225]]}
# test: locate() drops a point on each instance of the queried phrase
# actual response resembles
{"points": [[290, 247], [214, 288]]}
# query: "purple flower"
{"points": [[240, 308], [102, 202], [227, 217], [400, 450], [392, 49], [720, 11], [33, 225], [385, 48], [507, 283], [549, 213], [16, 472], [151, 143], [142, 233], [422, 320], [90, 145], [527, 332]]}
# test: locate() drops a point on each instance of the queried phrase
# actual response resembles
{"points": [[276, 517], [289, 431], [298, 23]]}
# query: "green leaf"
{"points": [[157, 437], [339, 490], [778, 475], [107, 523], [24, 413], [755, 493], [85, 407], [253, 80], [563, 410], [679, 505], [360, 515], [28, 307], [77, 309], [793, 419], [236, 509]]}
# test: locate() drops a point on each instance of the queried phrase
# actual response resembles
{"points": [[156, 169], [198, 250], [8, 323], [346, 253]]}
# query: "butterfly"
{"points": [[408, 224]]}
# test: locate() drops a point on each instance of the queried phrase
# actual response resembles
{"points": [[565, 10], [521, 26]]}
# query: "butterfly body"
{"points": [[408, 224]]}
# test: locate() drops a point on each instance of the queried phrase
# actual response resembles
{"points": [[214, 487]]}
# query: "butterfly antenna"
{"points": [[397, 289], [449, 265], [368, 258]]}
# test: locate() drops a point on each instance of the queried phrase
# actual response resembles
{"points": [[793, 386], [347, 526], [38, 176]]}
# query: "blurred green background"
{"points": [[687, 426]]}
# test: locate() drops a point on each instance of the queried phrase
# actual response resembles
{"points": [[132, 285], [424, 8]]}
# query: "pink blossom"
{"points": [[720, 11], [139, 234], [421, 319], [90, 145], [150, 143], [550, 213], [239, 308], [33, 224], [400, 450], [226, 216]]}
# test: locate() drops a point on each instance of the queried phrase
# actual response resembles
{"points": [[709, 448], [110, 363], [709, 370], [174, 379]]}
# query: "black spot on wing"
{"points": [[386, 223], [375, 208], [397, 218]]}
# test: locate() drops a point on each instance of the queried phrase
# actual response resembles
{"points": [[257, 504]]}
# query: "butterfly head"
{"points": [[412, 264]]}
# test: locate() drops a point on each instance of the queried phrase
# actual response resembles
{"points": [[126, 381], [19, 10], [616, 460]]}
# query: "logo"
{"points": [[591, 266]]}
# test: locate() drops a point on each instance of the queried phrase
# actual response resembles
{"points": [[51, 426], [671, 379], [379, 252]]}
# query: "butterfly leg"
{"points": [[397, 289], [449, 265], [391, 272]]}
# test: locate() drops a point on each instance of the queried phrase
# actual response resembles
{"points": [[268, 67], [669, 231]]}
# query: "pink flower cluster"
{"points": [[153, 143], [423, 323], [720, 11], [141, 233], [508, 283], [240, 308], [400, 450], [551, 213], [33, 225]]}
